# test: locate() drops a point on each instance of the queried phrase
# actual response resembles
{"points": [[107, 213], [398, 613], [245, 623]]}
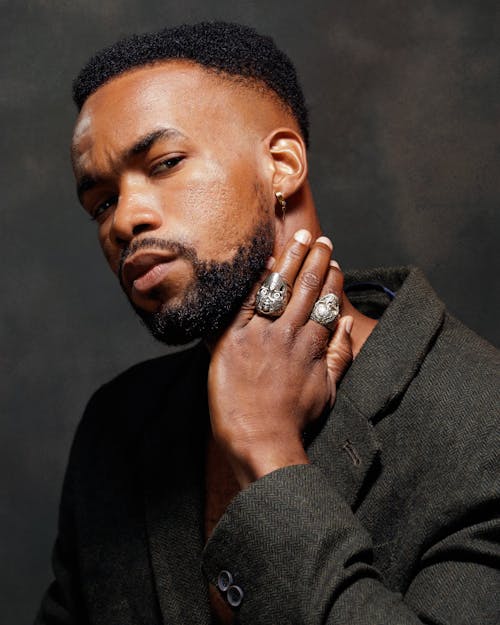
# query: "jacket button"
{"points": [[224, 580], [234, 596]]}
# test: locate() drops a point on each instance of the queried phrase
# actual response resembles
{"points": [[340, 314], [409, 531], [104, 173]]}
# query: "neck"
{"points": [[301, 213]]}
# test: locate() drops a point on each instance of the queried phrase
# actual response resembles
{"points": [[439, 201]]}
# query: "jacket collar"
{"points": [[396, 348]]}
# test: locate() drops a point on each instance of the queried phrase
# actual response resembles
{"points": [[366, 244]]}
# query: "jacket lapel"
{"points": [[347, 447], [174, 454], [347, 450]]}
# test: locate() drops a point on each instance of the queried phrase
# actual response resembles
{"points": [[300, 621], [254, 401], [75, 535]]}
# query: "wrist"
{"points": [[255, 459]]}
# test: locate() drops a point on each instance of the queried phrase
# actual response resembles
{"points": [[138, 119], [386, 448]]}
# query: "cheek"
{"points": [[222, 221], [224, 211]]}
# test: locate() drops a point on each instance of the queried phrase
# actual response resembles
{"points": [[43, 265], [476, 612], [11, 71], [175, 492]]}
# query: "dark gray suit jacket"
{"points": [[395, 522]]}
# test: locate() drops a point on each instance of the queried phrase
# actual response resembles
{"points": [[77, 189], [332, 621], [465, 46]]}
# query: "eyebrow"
{"points": [[85, 183], [142, 145], [147, 141]]}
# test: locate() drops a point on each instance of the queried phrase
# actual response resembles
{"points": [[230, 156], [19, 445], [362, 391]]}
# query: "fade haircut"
{"points": [[235, 50]]}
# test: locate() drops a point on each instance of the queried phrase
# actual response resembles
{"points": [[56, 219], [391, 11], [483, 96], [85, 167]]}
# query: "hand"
{"points": [[268, 379]]}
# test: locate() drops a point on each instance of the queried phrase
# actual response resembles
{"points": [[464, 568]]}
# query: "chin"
{"points": [[216, 292]]}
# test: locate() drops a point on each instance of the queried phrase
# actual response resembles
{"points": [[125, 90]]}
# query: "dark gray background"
{"points": [[405, 164]]}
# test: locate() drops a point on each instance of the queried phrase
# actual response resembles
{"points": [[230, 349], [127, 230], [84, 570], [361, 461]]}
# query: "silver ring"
{"points": [[272, 297], [326, 311]]}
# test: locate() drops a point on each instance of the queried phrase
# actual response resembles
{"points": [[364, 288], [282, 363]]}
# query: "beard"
{"points": [[216, 291]]}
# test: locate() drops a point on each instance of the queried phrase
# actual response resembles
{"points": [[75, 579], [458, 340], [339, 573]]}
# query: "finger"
{"points": [[309, 283], [293, 255], [247, 309], [334, 284], [339, 352]]}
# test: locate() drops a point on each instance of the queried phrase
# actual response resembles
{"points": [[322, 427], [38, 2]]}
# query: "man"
{"points": [[250, 479]]}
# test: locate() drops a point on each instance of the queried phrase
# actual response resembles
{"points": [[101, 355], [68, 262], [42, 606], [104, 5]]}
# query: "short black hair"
{"points": [[228, 48]]}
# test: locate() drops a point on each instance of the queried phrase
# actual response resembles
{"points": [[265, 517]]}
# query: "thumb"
{"points": [[339, 351]]}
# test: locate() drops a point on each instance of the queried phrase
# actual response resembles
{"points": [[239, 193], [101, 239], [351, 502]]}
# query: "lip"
{"points": [[143, 271]]}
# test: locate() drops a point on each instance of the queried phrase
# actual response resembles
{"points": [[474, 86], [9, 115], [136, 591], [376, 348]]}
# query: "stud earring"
{"points": [[282, 202]]}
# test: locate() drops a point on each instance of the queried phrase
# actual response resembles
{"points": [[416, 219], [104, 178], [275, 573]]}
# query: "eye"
{"points": [[103, 207], [166, 165]]}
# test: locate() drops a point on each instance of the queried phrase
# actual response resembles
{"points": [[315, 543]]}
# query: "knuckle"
{"points": [[344, 353], [317, 346], [340, 353], [295, 252], [288, 334], [338, 366], [310, 280], [248, 305], [320, 247]]}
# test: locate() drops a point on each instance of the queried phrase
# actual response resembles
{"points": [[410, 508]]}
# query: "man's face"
{"points": [[171, 162]]}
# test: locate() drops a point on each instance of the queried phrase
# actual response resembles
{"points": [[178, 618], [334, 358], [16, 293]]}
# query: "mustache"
{"points": [[154, 244]]}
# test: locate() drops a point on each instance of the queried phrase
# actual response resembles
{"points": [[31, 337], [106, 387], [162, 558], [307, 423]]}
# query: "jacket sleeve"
{"points": [[300, 556]]}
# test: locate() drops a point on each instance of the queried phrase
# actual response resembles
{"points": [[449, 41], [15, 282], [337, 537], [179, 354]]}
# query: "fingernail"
{"points": [[270, 262], [348, 324], [334, 263], [303, 236], [325, 241]]}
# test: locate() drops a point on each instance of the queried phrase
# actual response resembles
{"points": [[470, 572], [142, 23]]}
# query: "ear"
{"points": [[288, 160]]}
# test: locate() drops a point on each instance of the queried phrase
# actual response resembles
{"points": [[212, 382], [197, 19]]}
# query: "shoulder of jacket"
{"points": [[463, 359], [121, 406], [162, 370], [453, 400]]}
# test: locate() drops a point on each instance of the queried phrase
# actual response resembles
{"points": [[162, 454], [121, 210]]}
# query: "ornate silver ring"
{"points": [[326, 311], [272, 297]]}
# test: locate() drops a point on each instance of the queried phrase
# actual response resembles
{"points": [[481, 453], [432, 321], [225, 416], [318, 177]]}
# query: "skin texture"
{"points": [[207, 182]]}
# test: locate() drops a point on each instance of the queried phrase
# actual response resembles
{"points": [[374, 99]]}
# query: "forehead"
{"points": [[178, 94]]}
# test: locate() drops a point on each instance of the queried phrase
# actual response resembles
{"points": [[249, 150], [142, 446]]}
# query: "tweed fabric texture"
{"points": [[394, 522]]}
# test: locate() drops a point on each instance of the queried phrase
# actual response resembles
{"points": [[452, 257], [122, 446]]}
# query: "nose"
{"points": [[136, 212]]}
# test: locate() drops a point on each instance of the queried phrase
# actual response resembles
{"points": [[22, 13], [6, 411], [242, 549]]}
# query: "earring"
{"points": [[282, 202]]}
